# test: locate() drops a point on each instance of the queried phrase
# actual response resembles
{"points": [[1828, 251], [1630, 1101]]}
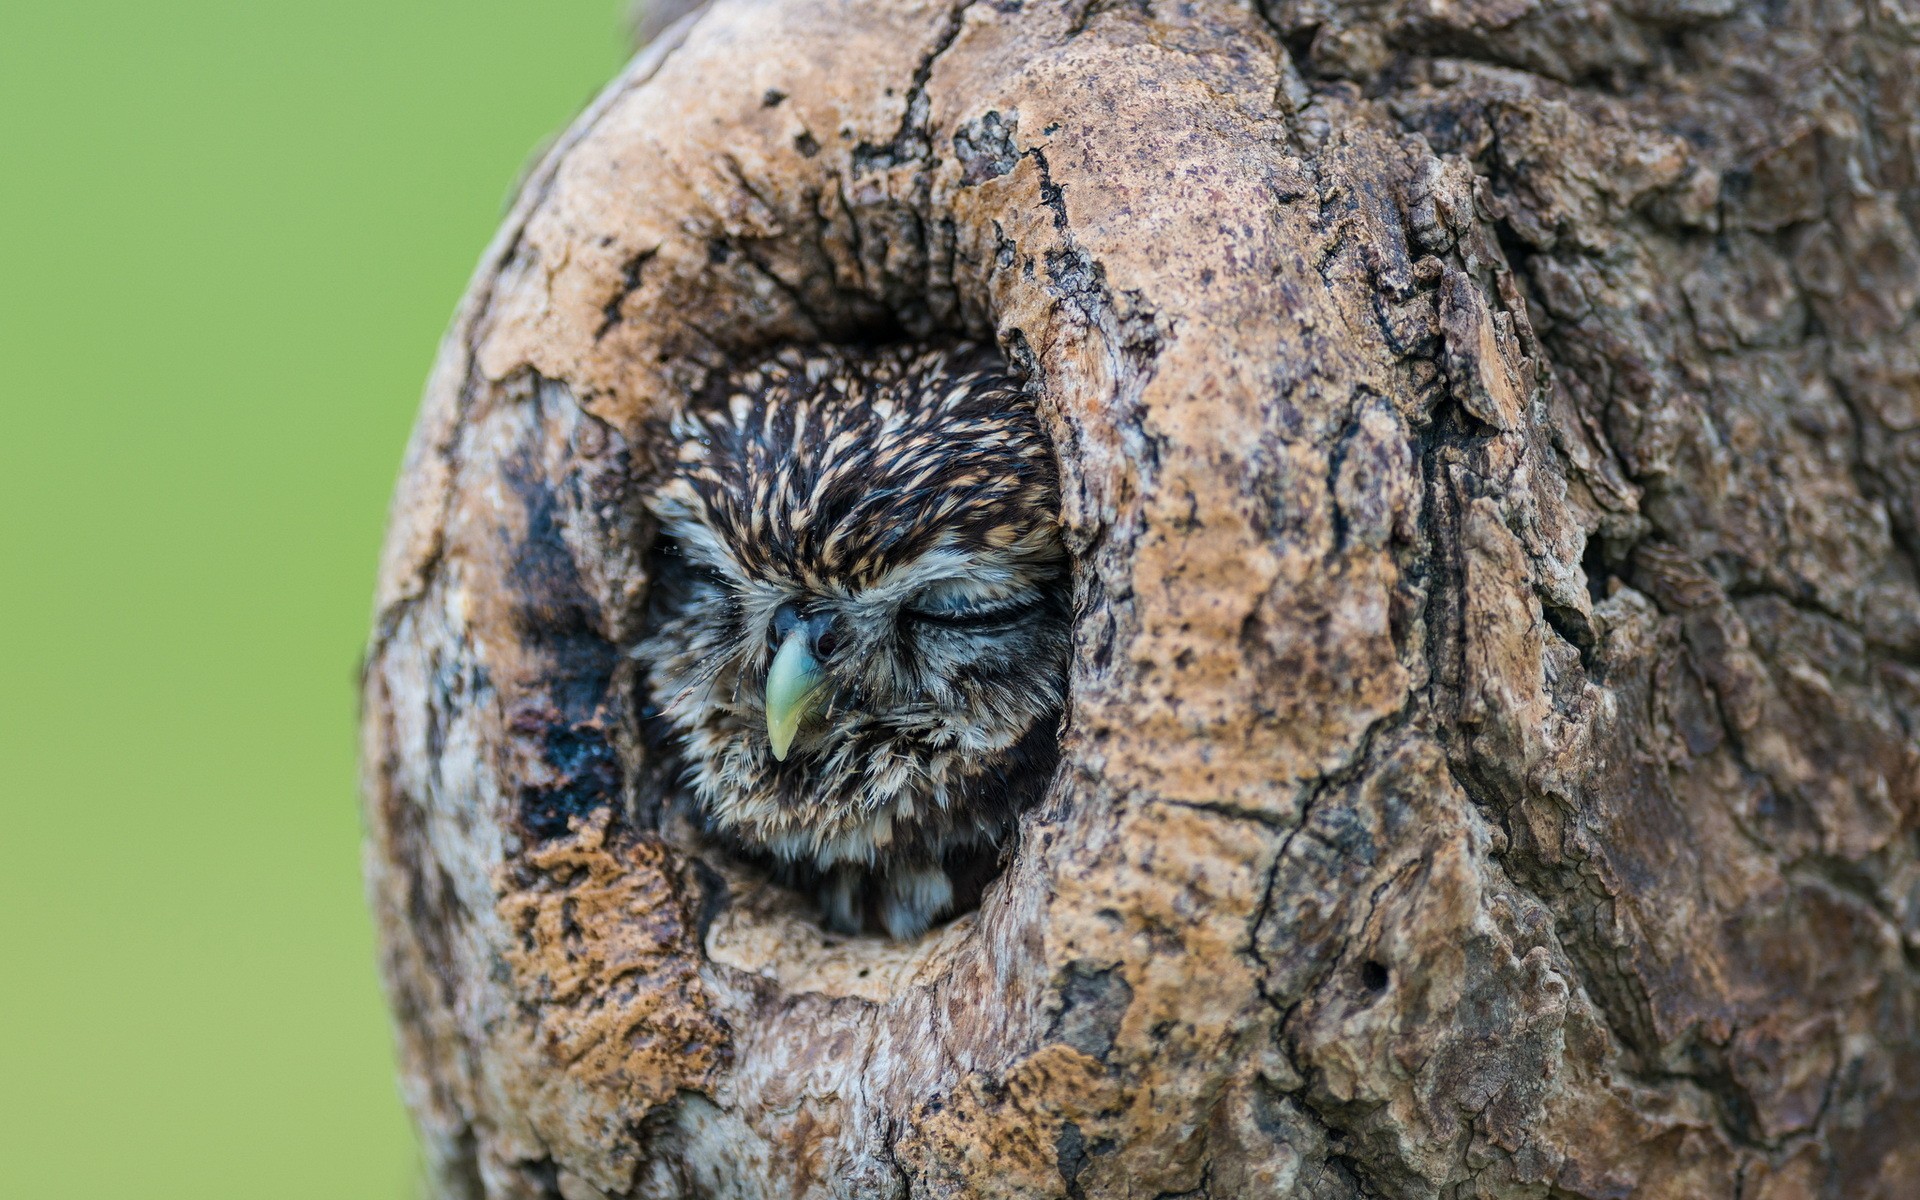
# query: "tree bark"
{"points": [[1490, 436]]}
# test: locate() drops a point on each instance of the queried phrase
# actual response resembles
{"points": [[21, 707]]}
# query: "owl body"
{"points": [[860, 627]]}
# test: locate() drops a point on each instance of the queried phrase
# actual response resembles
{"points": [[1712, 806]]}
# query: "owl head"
{"points": [[860, 623]]}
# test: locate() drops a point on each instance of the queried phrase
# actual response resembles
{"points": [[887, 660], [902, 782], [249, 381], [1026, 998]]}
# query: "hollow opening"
{"points": [[855, 656]]}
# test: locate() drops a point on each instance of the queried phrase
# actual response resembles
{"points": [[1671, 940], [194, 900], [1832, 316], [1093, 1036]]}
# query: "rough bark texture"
{"points": [[1491, 443]]}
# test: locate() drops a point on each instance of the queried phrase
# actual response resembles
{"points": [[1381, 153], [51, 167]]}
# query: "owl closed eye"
{"points": [[859, 636]]}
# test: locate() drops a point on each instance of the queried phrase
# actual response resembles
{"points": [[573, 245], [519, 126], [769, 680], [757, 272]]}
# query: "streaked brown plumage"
{"points": [[887, 520]]}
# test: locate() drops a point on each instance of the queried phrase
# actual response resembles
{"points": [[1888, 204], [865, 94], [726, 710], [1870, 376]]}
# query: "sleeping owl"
{"points": [[859, 635]]}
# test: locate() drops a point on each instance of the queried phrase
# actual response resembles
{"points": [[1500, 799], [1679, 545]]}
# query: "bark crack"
{"points": [[911, 141]]}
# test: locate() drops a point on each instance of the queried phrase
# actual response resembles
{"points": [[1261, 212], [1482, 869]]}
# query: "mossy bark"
{"points": [[1490, 433]]}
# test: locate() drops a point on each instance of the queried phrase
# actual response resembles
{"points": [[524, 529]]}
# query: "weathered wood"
{"points": [[1491, 451]]}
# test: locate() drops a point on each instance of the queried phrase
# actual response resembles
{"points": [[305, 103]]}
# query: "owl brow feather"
{"points": [[706, 673]]}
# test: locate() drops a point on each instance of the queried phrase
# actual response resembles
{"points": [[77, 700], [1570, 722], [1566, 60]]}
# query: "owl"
{"points": [[858, 641]]}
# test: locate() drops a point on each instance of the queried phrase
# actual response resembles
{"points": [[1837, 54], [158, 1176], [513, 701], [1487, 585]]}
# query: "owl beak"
{"points": [[793, 691]]}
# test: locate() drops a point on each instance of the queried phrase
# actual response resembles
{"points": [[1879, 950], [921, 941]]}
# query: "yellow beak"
{"points": [[793, 691]]}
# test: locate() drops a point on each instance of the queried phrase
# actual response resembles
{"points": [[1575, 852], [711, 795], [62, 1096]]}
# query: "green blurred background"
{"points": [[233, 232]]}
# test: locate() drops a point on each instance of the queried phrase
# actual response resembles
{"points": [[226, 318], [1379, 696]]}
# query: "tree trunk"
{"points": [[1490, 437]]}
